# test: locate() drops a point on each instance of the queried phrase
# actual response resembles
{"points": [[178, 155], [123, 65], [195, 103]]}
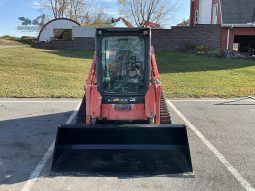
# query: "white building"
{"points": [[66, 29], [57, 29]]}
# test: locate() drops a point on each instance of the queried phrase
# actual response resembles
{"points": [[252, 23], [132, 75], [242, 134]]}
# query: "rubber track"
{"points": [[165, 117]]}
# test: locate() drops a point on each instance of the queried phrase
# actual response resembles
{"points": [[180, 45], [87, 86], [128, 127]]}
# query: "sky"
{"points": [[11, 10]]}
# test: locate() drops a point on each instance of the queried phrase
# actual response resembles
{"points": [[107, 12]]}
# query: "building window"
{"points": [[196, 17], [215, 14]]}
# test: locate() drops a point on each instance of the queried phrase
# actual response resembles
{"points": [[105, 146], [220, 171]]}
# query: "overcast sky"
{"points": [[10, 10]]}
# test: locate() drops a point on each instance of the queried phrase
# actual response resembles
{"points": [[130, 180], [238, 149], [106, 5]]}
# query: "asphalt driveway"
{"points": [[221, 137]]}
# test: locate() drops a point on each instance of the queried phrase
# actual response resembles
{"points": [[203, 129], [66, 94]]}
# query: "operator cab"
{"points": [[123, 61]]}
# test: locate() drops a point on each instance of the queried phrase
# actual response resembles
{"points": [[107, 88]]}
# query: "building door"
{"points": [[62, 34], [246, 43]]}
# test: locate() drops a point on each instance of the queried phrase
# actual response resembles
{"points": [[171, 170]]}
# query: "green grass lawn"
{"points": [[28, 72], [190, 75]]}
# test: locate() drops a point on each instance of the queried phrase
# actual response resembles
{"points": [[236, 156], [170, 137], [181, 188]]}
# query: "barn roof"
{"points": [[238, 11]]}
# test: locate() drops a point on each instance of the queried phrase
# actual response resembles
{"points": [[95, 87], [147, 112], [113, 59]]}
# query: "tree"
{"points": [[56, 7], [76, 9], [82, 11], [184, 23], [140, 11]]}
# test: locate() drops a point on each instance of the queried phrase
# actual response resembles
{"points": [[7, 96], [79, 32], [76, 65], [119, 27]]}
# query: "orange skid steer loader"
{"points": [[123, 125]]}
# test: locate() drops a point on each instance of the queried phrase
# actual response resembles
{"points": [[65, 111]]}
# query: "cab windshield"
{"points": [[123, 60]]}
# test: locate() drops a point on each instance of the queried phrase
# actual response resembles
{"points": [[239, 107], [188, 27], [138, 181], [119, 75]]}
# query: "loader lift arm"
{"points": [[129, 25]]}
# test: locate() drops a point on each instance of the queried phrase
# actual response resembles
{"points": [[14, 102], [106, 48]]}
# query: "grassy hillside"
{"points": [[13, 41], [6, 42], [190, 75], [28, 72]]}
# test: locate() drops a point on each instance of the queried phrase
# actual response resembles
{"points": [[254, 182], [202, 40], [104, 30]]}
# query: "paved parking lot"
{"points": [[221, 136]]}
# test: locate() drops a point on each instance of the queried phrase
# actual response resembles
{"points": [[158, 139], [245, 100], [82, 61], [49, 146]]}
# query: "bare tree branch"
{"points": [[82, 11], [139, 12]]}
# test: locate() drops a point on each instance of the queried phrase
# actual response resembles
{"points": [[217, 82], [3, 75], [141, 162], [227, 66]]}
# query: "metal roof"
{"points": [[238, 11]]}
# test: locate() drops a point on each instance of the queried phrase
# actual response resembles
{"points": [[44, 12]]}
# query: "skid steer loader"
{"points": [[123, 125]]}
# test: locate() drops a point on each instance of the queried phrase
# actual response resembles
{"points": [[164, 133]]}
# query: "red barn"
{"points": [[236, 17]]}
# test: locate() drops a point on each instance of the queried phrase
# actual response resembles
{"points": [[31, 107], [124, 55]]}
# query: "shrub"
{"points": [[26, 40], [8, 37], [216, 53], [221, 54], [201, 49], [188, 46]]}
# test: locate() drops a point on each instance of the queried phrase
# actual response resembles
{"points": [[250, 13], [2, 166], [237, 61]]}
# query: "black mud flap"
{"points": [[125, 149]]}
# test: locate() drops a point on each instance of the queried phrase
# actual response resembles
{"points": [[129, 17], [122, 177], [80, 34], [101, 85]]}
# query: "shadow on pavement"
{"points": [[180, 62], [23, 142], [235, 102], [74, 53]]}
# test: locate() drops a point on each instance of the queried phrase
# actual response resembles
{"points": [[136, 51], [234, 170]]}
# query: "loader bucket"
{"points": [[122, 149]]}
